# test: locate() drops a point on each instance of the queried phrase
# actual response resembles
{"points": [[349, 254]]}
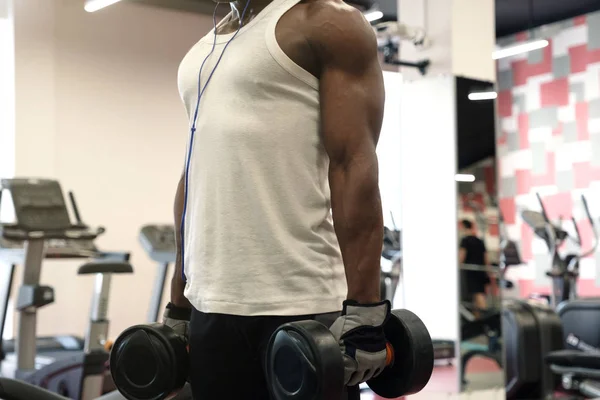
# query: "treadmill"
{"points": [[12, 253], [159, 242]]}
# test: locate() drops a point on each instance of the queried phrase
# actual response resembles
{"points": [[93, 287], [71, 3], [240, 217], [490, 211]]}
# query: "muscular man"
{"points": [[473, 252], [279, 197]]}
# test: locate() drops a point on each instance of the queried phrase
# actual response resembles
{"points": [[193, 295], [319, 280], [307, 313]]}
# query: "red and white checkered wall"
{"points": [[549, 141]]}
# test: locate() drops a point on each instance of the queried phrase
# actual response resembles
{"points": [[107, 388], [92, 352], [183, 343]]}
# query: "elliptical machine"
{"points": [[565, 270], [41, 215], [534, 332]]}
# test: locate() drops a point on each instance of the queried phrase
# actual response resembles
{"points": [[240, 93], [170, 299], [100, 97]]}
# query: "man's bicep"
{"points": [[351, 111], [350, 83], [462, 254]]}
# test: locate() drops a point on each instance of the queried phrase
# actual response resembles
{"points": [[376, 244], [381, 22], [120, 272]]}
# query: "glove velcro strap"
{"points": [[375, 314], [180, 313], [370, 339]]}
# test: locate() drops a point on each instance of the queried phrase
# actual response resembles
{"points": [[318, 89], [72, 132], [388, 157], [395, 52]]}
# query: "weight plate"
{"points": [[413, 357], [304, 362], [148, 362]]}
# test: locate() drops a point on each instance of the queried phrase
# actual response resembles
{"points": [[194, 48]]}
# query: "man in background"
{"points": [[473, 253]]}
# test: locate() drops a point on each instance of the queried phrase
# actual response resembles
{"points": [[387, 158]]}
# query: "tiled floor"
{"points": [[486, 382], [477, 395]]}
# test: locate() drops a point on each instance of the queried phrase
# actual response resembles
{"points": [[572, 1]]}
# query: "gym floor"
{"points": [[486, 382]]}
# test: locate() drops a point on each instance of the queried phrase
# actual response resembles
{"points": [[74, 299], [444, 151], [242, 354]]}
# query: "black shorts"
{"points": [[227, 354], [476, 281]]}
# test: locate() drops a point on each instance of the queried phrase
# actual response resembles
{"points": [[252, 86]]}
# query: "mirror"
{"points": [[480, 277]]}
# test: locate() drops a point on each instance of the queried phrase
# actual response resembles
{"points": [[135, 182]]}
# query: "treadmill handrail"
{"points": [[575, 260], [544, 214], [15, 232]]}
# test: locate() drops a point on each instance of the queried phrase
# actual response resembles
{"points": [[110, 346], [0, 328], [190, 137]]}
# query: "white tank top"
{"points": [[259, 237]]}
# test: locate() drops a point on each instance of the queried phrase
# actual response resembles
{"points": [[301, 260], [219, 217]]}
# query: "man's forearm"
{"points": [[358, 221], [177, 283]]}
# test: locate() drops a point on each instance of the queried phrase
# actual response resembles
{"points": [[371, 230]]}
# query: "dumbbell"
{"points": [[149, 362], [305, 361]]}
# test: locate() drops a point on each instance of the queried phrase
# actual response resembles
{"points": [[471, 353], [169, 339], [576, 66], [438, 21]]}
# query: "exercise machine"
{"points": [[41, 215], [159, 242], [554, 345], [391, 273], [12, 253], [565, 269], [487, 323]]}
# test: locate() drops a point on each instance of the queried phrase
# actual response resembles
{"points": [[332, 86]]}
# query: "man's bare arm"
{"points": [[177, 283], [352, 99], [462, 254]]}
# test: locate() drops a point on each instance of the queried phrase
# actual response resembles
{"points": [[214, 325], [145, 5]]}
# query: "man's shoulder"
{"points": [[337, 23], [332, 8], [470, 239]]}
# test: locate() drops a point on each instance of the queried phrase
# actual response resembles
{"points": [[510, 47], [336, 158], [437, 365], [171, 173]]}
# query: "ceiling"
{"points": [[514, 16]]}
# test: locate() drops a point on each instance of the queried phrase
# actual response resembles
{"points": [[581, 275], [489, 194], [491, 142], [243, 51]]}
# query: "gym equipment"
{"points": [[41, 215], [581, 324], [531, 330], [166, 368], [13, 252], [578, 363], [392, 251], [579, 371], [140, 374], [159, 242], [487, 324], [304, 360], [565, 270]]}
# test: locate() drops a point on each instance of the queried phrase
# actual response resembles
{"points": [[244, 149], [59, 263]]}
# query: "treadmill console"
{"points": [[159, 242], [40, 207], [39, 204]]}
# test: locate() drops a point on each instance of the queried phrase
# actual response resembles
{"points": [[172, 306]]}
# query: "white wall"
{"points": [[97, 107], [429, 203], [388, 151], [7, 89], [474, 39], [435, 16], [462, 34]]}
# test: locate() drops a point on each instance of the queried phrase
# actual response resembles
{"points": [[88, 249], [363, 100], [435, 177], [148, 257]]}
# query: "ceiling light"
{"points": [[464, 178], [373, 15], [95, 5], [519, 48], [483, 96]]}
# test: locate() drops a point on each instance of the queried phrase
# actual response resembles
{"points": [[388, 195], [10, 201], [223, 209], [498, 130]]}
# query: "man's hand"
{"points": [[178, 319], [359, 332]]}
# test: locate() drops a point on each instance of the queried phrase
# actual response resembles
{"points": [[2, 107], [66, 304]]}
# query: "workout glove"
{"points": [[178, 319], [359, 332]]}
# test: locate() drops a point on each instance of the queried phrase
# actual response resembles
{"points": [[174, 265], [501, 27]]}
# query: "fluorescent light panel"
{"points": [[373, 15], [519, 49], [464, 178], [95, 5], [483, 96]]}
